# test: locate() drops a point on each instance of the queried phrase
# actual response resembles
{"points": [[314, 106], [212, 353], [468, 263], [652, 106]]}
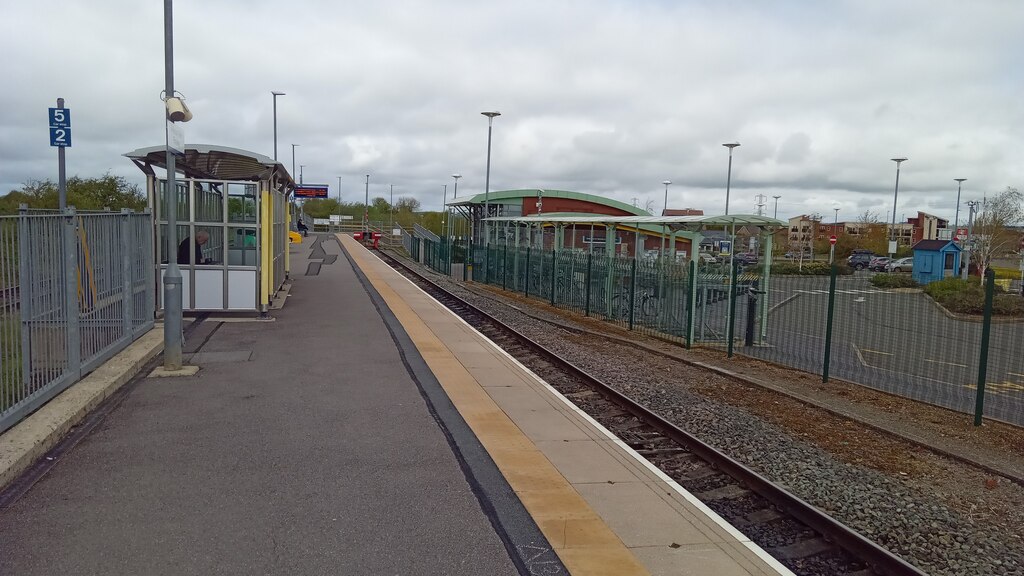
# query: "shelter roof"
{"points": [[934, 245], [211, 162], [685, 222]]}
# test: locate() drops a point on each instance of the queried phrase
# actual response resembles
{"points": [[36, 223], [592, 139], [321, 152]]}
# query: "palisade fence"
{"points": [[898, 341], [76, 289]]}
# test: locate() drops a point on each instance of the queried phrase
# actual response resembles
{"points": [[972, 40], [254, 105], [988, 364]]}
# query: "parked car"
{"points": [[859, 260], [878, 263], [900, 265], [746, 259], [706, 258]]}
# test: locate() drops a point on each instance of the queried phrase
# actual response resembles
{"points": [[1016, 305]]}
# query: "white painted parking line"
{"points": [[946, 363], [843, 291]]}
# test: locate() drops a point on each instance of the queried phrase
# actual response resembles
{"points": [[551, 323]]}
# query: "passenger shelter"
{"points": [[232, 232], [935, 260]]}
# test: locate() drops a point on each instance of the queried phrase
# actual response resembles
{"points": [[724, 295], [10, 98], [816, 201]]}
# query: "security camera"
{"points": [[177, 111]]}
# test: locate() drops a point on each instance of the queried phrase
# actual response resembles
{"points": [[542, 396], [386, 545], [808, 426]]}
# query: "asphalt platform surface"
{"points": [[307, 445]]}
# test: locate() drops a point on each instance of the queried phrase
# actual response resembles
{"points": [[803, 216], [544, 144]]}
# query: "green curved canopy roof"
{"points": [[499, 195]]}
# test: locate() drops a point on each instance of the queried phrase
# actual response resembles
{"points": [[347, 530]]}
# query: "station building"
{"points": [[649, 238]]}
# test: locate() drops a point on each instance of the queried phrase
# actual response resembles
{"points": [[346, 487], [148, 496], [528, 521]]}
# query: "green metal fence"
{"points": [[895, 340]]}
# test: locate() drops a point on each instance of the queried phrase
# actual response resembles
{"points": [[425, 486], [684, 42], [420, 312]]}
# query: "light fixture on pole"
{"points": [[835, 226], [455, 194], [776, 206], [487, 179], [339, 196], [728, 179], [664, 211], [366, 208], [956, 219], [392, 207], [895, 195], [276, 94], [293, 159]]}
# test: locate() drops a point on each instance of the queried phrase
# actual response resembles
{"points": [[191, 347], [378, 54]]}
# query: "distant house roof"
{"points": [[682, 212], [934, 245]]}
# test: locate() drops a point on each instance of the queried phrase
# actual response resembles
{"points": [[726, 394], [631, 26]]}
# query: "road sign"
{"points": [[832, 239], [60, 118], [60, 127], [60, 137], [961, 234]]}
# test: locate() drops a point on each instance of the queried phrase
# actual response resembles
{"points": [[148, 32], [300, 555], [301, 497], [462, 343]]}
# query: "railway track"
{"points": [[800, 536]]}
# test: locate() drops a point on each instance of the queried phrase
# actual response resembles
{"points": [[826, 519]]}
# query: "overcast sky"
{"points": [[598, 96]]}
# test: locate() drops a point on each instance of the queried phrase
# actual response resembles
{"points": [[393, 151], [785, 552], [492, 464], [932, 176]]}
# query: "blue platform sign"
{"points": [[60, 127], [60, 137], [60, 118]]}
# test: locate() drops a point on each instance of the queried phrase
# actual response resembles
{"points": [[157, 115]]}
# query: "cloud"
{"points": [[608, 96]]}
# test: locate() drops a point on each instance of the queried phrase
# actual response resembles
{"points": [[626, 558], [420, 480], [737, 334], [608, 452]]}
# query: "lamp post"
{"points": [[339, 196], [956, 219], [301, 166], [172, 281], [455, 194], [664, 210], [776, 206], [392, 207], [444, 212], [728, 179], [972, 208], [895, 195], [276, 94], [293, 159], [487, 179], [366, 207]]}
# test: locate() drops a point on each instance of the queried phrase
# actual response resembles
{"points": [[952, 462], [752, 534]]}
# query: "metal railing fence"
{"points": [[77, 288], [895, 340]]}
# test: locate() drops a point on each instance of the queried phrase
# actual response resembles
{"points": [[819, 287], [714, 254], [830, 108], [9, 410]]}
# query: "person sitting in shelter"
{"points": [[301, 227], [188, 245]]}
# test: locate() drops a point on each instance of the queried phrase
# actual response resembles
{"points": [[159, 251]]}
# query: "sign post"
{"points": [[60, 137], [832, 249]]}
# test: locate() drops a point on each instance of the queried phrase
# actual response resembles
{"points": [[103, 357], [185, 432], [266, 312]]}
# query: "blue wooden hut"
{"points": [[935, 260]]}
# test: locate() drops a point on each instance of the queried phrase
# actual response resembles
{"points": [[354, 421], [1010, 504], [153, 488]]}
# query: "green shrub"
{"points": [[808, 269], [1008, 305], [894, 281], [968, 297]]}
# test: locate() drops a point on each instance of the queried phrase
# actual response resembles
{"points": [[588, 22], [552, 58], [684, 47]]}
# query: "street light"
{"points": [[455, 194], [293, 159], [663, 212], [892, 245], [487, 180], [392, 207], [956, 219], [728, 180], [776, 206], [276, 94]]}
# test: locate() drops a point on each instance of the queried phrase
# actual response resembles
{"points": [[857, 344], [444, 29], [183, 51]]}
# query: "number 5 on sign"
{"points": [[60, 137], [60, 118]]}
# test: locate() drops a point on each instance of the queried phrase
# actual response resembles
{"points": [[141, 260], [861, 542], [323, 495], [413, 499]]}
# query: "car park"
{"points": [[878, 263], [900, 265]]}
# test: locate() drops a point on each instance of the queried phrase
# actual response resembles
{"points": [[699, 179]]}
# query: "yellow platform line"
{"points": [[585, 544]]}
